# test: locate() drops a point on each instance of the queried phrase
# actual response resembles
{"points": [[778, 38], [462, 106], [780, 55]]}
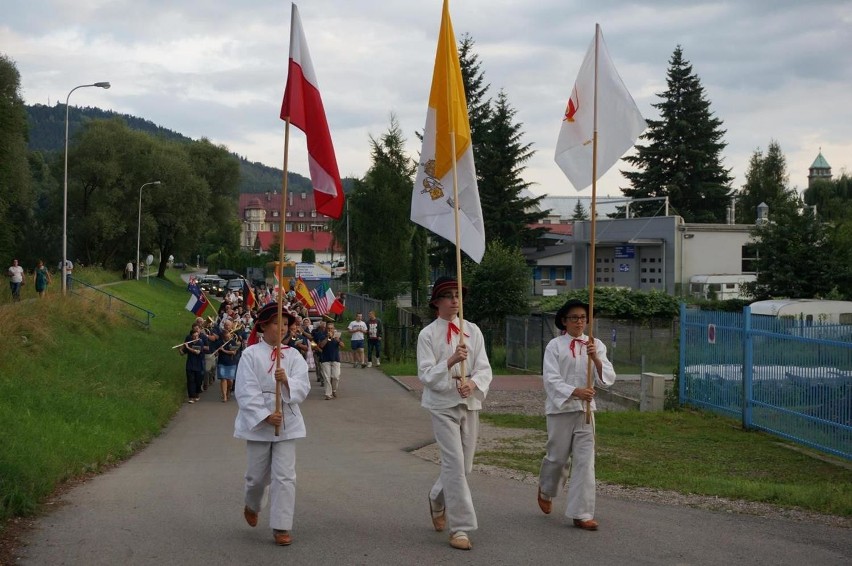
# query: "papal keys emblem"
{"points": [[431, 184]]}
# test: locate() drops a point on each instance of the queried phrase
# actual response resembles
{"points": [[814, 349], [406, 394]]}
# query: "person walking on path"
{"points": [[193, 347], [227, 346], [41, 278], [565, 367], [330, 343], [375, 329], [16, 279], [357, 328], [271, 458], [454, 405]]}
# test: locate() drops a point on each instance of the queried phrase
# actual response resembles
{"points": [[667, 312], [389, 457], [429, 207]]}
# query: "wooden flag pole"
{"points": [[280, 269], [463, 379], [592, 259]]}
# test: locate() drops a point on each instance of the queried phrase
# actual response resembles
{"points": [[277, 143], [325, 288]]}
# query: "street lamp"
{"points": [[65, 192], [139, 227]]}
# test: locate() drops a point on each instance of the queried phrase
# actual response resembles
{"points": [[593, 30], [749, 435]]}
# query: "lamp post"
{"points": [[139, 226], [65, 191]]}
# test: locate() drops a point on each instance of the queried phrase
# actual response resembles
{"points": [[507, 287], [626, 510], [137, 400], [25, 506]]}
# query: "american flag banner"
{"points": [[319, 295]]}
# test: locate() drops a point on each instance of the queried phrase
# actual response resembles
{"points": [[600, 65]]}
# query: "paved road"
{"points": [[361, 499]]}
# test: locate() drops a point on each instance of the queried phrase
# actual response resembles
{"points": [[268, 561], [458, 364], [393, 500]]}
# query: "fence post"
{"points": [[526, 343], [748, 373], [681, 373]]}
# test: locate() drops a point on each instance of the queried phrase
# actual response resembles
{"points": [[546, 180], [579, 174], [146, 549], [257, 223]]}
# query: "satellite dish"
{"points": [[149, 260]]}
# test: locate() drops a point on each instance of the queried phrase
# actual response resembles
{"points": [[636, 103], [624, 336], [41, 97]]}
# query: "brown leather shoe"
{"points": [[282, 538], [546, 505], [587, 525], [459, 540], [251, 516], [439, 518]]}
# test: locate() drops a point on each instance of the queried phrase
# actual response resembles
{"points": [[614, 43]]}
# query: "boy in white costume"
{"points": [[271, 459], [565, 368], [454, 407]]}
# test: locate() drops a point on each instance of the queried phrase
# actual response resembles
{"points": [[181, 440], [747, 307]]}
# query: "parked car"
{"points": [[234, 285], [213, 285]]}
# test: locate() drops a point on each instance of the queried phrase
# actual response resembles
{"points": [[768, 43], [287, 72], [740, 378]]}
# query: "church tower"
{"points": [[820, 169]]}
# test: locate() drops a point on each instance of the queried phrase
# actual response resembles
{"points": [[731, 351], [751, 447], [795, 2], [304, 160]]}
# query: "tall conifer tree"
{"points": [[683, 157]]}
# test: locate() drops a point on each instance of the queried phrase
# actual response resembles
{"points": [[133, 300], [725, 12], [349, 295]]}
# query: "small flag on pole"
{"points": [[302, 105], [619, 120], [446, 117], [197, 300], [320, 296], [303, 293], [248, 295]]}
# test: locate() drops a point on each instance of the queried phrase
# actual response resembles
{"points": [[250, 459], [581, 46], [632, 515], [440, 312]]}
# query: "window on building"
{"points": [[303, 227], [749, 256], [275, 214], [301, 213], [288, 227], [313, 214], [546, 221]]}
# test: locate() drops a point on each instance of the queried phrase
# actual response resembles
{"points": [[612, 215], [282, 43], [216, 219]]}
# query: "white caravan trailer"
{"points": [[720, 287]]}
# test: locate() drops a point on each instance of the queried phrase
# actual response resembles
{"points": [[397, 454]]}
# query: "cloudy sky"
{"points": [[772, 69]]}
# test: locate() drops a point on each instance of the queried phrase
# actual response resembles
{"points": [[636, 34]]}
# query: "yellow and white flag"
{"points": [[619, 122], [446, 122]]}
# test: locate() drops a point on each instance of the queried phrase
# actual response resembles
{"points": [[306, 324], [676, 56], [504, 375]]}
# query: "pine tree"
{"points": [[580, 212], [766, 182], [683, 157], [380, 215], [505, 208]]}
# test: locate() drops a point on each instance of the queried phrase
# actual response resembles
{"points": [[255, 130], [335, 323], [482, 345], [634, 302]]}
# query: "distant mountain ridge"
{"points": [[47, 134]]}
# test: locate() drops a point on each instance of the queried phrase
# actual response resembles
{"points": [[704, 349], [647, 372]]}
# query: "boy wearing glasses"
{"points": [[565, 368], [454, 406]]}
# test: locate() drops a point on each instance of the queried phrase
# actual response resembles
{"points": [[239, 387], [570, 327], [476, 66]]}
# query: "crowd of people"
{"points": [[243, 344]]}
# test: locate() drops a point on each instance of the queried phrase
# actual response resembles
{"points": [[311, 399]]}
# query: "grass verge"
{"points": [[84, 387], [694, 453]]}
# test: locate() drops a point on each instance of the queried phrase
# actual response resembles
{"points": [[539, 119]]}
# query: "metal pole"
{"points": [[139, 226], [65, 190], [348, 257]]}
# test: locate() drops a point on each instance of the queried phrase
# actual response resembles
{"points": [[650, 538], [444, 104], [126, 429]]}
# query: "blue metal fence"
{"points": [[771, 373]]}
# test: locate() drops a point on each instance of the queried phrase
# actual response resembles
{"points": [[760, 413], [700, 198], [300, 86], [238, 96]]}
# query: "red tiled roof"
{"points": [[297, 241], [564, 229]]}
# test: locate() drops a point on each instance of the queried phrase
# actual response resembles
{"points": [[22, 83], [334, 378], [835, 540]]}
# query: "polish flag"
{"points": [[302, 105]]}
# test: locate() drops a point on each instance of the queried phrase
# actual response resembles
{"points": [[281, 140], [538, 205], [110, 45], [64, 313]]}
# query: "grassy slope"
{"points": [[83, 387]]}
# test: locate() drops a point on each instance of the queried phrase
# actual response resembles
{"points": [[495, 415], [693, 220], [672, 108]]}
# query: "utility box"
{"points": [[653, 392]]}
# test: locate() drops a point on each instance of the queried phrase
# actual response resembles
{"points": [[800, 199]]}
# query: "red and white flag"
{"points": [[302, 105], [619, 120]]}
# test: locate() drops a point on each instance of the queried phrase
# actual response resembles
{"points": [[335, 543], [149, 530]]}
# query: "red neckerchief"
{"points": [[276, 353], [453, 329], [576, 341]]}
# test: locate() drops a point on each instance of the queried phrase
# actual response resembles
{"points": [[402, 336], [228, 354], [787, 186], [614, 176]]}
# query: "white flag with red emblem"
{"points": [[619, 120]]}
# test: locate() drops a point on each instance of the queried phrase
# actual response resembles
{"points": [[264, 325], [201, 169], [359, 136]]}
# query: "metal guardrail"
{"points": [[124, 308]]}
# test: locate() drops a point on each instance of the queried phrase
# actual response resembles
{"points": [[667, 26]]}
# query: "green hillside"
{"points": [[47, 134]]}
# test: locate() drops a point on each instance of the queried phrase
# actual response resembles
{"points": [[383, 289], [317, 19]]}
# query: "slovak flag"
{"points": [[197, 300], [302, 106]]}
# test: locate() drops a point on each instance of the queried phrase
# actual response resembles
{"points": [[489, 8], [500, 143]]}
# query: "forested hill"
{"points": [[47, 134]]}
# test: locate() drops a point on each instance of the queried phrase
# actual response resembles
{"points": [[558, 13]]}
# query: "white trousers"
{"points": [[456, 431], [331, 374], [272, 464], [568, 436]]}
